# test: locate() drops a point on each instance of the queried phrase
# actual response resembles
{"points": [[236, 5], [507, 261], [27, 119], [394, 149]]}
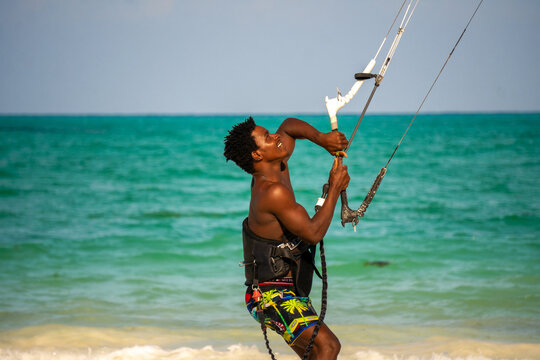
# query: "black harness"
{"points": [[266, 260]]}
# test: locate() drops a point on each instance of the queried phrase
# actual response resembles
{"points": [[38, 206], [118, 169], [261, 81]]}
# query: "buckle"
{"points": [[288, 245]]}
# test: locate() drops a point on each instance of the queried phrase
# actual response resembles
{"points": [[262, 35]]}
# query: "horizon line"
{"points": [[232, 114]]}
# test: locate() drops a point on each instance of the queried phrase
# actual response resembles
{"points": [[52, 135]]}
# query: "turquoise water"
{"points": [[118, 221]]}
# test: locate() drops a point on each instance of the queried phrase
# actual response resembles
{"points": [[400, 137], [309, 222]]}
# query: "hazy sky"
{"points": [[253, 56]]}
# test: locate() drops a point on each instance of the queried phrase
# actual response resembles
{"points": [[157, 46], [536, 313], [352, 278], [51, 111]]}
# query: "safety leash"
{"points": [[324, 299]]}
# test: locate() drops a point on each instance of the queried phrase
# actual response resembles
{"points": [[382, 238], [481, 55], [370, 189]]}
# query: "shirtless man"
{"points": [[275, 216]]}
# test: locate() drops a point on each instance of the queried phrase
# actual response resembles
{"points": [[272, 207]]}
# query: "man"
{"points": [[279, 283]]}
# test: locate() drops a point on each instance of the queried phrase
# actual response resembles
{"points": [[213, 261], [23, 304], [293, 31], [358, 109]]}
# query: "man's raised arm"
{"points": [[297, 129]]}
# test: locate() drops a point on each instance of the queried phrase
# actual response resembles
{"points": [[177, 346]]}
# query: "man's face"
{"points": [[269, 145]]}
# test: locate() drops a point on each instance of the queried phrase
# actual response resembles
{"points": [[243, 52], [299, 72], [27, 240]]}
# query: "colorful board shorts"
{"points": [[285, 313]]}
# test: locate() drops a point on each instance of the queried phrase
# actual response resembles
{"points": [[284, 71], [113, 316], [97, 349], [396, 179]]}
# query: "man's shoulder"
{"points": [[277, 189], [276, 193]]}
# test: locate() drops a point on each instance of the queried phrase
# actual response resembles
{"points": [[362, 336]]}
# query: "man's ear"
{"points": [[256, 155]]}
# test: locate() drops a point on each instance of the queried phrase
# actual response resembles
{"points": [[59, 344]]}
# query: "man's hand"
{"points": [[333, 141], [339, 177]]}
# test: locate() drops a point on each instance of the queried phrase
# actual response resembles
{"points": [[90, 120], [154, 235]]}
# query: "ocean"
{"points": [[120, 238]]}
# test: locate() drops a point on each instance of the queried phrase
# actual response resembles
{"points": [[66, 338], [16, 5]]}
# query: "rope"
{"points": [[323, 303], [378, 180], [390, 29], [263, 327], [434, 81], [406, 17], [361, 117]]}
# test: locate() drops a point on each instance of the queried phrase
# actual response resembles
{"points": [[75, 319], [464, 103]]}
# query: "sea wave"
{"points": [[359, 342], [233, 352]]}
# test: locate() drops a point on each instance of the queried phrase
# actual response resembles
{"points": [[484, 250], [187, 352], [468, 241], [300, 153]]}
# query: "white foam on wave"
{"points": [[372, 342], [233, 352], [145, 352], [374, 355]]}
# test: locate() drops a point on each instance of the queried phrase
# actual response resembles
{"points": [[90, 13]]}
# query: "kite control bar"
{"points": [[333, 105]]}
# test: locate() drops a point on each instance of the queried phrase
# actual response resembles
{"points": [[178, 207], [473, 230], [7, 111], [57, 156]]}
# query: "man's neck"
{"points": [[270, 171]]}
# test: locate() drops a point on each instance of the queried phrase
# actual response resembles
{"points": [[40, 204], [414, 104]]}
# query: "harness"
{"points": [[266, 259]]}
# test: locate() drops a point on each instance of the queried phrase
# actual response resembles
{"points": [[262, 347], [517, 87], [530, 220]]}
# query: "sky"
{"points": [[262, 56]]}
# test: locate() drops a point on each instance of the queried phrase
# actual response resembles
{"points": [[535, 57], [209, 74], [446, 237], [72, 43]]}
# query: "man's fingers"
{"points": [[338, 161]]}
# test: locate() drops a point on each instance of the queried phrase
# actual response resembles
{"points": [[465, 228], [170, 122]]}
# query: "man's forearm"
{"points": [[299, 129], [323, 218]]}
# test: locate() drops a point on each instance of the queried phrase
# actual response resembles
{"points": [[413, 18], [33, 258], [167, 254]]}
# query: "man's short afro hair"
{"points": [[239, 145]]}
